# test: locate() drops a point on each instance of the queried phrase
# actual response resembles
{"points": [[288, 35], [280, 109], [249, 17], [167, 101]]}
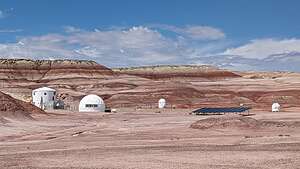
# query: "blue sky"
{"points": [[234, 34]]}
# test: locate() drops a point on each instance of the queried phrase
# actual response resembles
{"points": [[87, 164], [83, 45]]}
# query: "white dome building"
{"points": [[44, 97], [275, 107], [161, 103], [91, 103]]}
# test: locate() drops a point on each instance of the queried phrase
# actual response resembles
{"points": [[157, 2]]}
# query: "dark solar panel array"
{"points": [[221, 110]]}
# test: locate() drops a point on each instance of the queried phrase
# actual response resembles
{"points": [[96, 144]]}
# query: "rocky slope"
{"points": [[11, 108], [45, 70]]}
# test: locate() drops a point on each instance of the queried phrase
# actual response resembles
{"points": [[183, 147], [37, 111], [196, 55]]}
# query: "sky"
{"points": [[234, 34]]}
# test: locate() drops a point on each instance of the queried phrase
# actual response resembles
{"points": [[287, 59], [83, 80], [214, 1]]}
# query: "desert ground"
{"points": [[147, 138], [139, 136]]}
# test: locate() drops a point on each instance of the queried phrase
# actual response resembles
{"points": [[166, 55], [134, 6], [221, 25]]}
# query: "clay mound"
{"points": [[226, 121], [290, 124], [178, 71], [15, 109], [239, 122]]}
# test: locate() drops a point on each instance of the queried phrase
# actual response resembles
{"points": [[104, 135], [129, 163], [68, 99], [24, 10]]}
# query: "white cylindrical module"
{"points": [[161, 103], [91, 103], [275, 107], [44, 98]]}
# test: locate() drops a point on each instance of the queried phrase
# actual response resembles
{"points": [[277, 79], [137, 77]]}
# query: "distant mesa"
{"points": [[43, 70], [175, 71], [46, 70]]}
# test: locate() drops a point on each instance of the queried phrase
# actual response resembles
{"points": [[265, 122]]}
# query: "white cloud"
{"points": [[1, 14], [89, 51], [260, 54], [203, 32], [113, 47], [10, 30], [195, 32], [134, 46], [262, 48], [140, 45], [71, 29], [6, 12]]}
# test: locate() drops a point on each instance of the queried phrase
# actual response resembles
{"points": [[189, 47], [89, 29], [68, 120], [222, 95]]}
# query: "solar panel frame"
{"points": [[219, 110]]}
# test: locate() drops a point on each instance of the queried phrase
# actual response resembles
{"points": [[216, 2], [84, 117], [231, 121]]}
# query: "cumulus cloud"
{"points": [[203, 32], [262, 48], [1, 14], [137, 46], [6, 12], [195, 32], [260, 54], [71, 29], [133, 46]]}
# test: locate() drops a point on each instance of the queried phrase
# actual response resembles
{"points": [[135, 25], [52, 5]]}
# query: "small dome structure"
{"points": [[91, 103], [161, 103], [44, 97], [275, 107]]}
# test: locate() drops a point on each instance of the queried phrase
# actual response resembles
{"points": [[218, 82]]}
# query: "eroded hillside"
{"points": [[182, 86], [44, 70]]}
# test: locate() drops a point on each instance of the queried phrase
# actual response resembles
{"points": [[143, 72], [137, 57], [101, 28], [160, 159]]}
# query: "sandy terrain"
{"points": [[145, 139]]}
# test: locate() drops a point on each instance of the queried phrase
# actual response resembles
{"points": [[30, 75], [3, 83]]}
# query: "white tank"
{"points": [[161, 103], [91, 103], [275, 107], [44, 98]]}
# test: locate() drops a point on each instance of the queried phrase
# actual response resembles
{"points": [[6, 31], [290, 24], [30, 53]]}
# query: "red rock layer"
{"points": [[184, 71], [39, 70]]}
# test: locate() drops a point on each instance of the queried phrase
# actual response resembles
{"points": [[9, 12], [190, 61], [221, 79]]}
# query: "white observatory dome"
{"points": [[91, 103], [161, 103]]}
